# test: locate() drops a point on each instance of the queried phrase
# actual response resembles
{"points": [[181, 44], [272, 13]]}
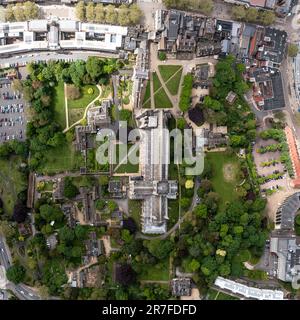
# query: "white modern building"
{"points": [[62, 34], [248, 292]]}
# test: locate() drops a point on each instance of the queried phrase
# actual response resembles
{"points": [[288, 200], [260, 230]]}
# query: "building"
{"points": [[181, 287], [38, 35], [140, 73], [248, 292], [98, 116], [153, 186], [186, 35], [116, 189], [284, 245], [214, 136]]}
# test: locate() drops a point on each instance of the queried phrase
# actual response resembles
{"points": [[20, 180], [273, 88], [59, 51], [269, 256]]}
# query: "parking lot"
{"points": [[12, 114]]}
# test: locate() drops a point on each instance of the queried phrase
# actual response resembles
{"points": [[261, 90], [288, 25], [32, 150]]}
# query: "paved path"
{"points": [[66, 105]]}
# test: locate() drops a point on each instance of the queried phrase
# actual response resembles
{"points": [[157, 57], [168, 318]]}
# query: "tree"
{"points": [[100, 204], [238, 12], [66, 234], [77, 70], [123, 15], [94, 67], [251, 15], [293, 50], [16, 274], [181, 123], [31, 10], [70, 190], [19, 12], [112, 205], [162, 56], [99, 13], [205, 6], [159, 248], [125, 115], [125, 275], [111, 15], [73, 92], [19, 213], [90, 12], [184, 203], [9, 13], [135, 14], [189, 184], [267, 17], [7, 229], [80, 11], [130, 225], [201, 211]]}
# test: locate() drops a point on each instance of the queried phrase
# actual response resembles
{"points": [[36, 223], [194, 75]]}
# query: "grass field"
{"points": [[157, 272], [156, 82], [127, 167], [225, 174], [167, 71], [173, 84], [162, 100], [147, 92], [59, 105], [64, 158], [11, 182], [218, 295], [85, 99], [75, 115], [135, 209]]}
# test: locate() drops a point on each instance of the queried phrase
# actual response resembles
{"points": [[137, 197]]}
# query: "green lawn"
{"points": [[11, 182], [162, 100], [59, 105], [223, 164], [147, 105], [75, 115], [126, 167], [173, 84], [135, 209], [85, 99], [167, 71], [218, 295], [157, 272], [147, 92], [60, 159], [156, 82]]}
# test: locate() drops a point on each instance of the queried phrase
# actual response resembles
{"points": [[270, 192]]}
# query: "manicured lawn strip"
{"points": [[135, 210], [225, 189], [156, 82], [218, 295], [75, 115], [147, 105], [167, 71], [147, 92], [59, 105], [173, 84], [162, 100], [85, 98], [63, 158], [157, 272], [11, 182]]}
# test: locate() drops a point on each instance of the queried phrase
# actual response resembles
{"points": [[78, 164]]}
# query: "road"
{"points": [[46, 56], [21, 291]]}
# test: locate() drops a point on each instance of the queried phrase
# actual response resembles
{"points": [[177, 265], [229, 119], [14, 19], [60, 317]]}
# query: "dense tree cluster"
{"points": [[22, 12], [204, 6], [185, 96], [13, 147], [253, 15], [16, 274], [239, 119], [293, 50], [123, 15], [42, 131], [70, 190]]}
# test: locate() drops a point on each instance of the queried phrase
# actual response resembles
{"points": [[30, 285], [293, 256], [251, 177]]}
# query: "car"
{"points": [[22, 291]]}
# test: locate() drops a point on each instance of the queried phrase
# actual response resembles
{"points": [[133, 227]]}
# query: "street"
{"points": [[20, 290]]}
